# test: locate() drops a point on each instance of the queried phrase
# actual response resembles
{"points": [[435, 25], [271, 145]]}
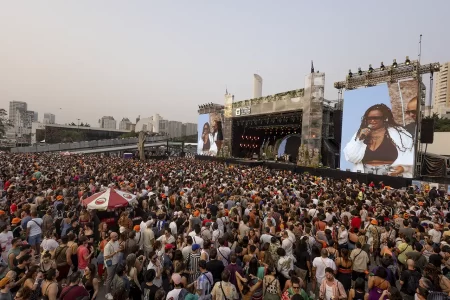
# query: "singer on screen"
{"points": [[380, 145]]}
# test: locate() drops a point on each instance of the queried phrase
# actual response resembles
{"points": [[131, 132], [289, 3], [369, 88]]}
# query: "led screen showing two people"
{"points": [[378, 129], [210, 134]]}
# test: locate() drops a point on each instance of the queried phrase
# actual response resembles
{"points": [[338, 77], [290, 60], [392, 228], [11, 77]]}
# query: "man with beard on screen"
{"points": [[411, 112]]}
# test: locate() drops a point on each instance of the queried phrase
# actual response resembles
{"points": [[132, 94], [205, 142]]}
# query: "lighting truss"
{"points": [[209, 107], [413, 69], [276, 127], [271, 119]]}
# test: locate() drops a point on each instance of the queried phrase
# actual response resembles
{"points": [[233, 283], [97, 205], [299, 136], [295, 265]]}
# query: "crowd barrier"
{"points": [[84, 145], [395, 182]]}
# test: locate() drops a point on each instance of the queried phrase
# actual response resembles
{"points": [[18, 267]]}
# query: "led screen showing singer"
{"points": [[375, 142]]}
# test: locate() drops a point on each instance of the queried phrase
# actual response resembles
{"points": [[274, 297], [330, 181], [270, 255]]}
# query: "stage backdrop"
{"points": [[378, 129], [210, 134]]}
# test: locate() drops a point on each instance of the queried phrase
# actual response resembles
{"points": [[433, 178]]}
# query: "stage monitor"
{"points": [[379, 129], [210, 134]]}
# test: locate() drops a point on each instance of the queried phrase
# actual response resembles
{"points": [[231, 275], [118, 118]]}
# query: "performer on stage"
{"points": [[381, 145]]}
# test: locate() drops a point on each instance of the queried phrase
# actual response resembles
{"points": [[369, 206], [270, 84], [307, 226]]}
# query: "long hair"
{"points": [[209, 128], [388, 122]]}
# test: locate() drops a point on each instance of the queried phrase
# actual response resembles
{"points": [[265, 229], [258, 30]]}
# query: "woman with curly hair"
{"points": [[381, 145]]}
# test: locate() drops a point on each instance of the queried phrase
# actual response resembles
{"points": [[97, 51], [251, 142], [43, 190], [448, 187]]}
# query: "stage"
{"points": [[395, 182]]}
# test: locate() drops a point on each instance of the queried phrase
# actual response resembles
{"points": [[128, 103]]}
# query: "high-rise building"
{"points": [[189, 129], [17, 112], [36, 117], [175, 129], [29, 118], [125, 124], [441, 99], [107, 122], [49, 118]]}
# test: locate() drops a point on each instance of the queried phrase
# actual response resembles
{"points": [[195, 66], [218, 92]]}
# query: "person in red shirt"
{"points": [[207, 220], [356, 221], [84, 253]]}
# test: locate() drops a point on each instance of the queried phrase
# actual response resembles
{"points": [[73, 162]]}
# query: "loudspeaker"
{"points": [[427, 131]]}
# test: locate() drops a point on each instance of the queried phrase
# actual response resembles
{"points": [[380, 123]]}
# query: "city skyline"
{"points": [[85, 64]]}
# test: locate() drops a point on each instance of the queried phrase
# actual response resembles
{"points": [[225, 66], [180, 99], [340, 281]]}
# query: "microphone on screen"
{"points": [[363, 136]]}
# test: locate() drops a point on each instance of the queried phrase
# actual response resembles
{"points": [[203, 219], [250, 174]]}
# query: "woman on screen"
{"points": [[205, 144], [380, 145]]}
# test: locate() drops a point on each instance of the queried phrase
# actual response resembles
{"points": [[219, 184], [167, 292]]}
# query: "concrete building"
{"points": [[163, 126], [17, 111], [189, 129], [107, 122], [175, 129], [441, 99], [125, 124], [49, 118]]}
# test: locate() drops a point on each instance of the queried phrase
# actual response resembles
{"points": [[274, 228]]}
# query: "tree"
{"points": [[4, 122], [440, 124]]}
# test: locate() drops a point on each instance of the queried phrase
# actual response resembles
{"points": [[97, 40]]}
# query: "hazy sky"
{"points": [[130, 58]]}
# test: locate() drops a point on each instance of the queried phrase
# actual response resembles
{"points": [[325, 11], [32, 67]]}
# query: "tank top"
{"points": [[359, 295], [387, 151]]}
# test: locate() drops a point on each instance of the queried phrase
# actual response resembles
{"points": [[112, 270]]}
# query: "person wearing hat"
{"points": [[192, 262], [5, 293], [178, 288]]}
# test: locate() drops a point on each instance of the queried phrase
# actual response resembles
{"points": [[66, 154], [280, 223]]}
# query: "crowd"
{"points": [[207, 230]]}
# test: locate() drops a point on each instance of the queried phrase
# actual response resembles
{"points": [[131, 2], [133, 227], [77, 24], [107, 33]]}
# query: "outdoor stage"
{"points": [[395, 182]]}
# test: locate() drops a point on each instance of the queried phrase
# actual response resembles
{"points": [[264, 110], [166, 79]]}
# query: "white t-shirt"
{"points": [[157, 281], [173, 294], [35, 226], [321, 264], [223, 254], [198, 240], [5, 241], [173, 227], [110, 248], [435, 235], [49, 244]]}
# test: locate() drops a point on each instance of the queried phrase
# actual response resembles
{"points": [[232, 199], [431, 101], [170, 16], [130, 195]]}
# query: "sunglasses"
{"points": [[377, 118]]}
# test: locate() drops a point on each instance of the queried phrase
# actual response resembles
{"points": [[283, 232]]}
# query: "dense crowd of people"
{"points": [[207, 230]]}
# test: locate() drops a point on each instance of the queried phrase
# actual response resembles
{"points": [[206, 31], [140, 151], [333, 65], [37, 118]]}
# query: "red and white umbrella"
{"points": [[108, 199]]}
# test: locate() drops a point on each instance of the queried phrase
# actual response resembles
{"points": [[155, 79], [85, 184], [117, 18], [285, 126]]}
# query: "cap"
{"points": [[188, 206], [176, 278], [2, 212], [137, 228], [405, 216], [15, 221], [196, 213], [195, 247], [4, 282], [169, 246], [374, 222], [59, 197]]}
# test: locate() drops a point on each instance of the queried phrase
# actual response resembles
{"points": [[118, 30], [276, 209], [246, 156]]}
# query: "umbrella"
{"points": [[131, 198], [108, 199]]}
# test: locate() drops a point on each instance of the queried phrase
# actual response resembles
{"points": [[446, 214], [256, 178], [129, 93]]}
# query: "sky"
{"points": [[86, 59]]}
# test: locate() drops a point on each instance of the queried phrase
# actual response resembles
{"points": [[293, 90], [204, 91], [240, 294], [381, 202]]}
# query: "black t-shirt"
{"points": [[213, 209], [148, 291], [19, 275], [216, 268], [302, 258], [435, 259]]}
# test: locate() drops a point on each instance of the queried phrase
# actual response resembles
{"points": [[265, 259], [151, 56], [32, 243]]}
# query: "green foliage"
{"points": [[440, 124], [4, 122], [130, 134]]}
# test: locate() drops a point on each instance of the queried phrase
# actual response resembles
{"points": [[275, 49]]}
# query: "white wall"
{"points": [[441, 144]]}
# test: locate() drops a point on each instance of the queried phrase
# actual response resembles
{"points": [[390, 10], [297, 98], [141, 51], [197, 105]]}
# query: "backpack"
{"points": [[183, 293], [412, 283]]}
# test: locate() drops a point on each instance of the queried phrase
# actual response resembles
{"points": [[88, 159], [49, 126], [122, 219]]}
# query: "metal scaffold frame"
{"points": [[410, 69]]}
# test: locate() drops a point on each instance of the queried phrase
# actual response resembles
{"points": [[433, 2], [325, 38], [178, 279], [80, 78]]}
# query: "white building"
{"points": [[107, 122], [49, 118], [257, 86], [175, 129], [441, 99], [17, 112], [125, 124], [189, 129]]}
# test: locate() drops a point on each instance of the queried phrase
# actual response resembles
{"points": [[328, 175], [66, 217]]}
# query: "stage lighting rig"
{"points": [[350, 74], [407, 61], [394, 64], [393, 73], [370, 69]]}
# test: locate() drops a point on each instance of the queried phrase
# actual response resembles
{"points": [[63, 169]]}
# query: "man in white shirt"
{"points": [[34, 232], [266, 237], [173, 225], [435, 234], [223, 253], [155, 264], [166, 238], [173, 294], [287, 244], [148, 238], [319, 266], [111, 255], [6, 237]]}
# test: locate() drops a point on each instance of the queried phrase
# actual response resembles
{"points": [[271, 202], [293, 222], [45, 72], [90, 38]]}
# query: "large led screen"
{"points": [[210, 134], [378, 129]]}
